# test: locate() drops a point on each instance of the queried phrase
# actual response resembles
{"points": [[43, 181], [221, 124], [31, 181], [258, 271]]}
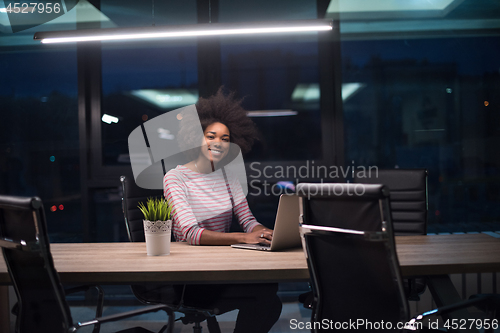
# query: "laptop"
{"points": [[286, 228]]}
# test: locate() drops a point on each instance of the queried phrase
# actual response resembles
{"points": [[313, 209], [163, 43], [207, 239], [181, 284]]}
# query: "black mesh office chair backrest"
{"points": [[25, 247], [132, 195], [408, 190], [355, 276]]}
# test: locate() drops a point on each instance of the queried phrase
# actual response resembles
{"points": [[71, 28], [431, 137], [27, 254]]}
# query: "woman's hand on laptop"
{"points": [[259, 236]]}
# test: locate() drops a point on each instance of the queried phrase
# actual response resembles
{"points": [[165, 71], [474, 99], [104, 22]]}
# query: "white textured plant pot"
{"points": [[157, 237]]}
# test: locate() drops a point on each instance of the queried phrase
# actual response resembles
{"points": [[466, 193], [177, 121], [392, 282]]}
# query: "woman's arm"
{"points": [[241, 209], [185, 227], [254, 232], [220, 238]]}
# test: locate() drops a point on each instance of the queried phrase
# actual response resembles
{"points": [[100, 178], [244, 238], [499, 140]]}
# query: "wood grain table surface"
{"points": [[124, 263]]}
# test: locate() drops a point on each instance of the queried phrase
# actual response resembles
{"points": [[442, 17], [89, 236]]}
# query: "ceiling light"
{"points": [[310, 93], [271, 113], [167, 98], [351, 88], [306, 92], [106, 118], [210, 29]]}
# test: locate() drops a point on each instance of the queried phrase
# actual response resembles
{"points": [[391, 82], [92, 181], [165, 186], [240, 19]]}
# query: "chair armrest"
{"points": [[123, 315]]}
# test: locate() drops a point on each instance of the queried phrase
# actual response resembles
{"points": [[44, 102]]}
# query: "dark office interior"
{"points": [[388, 88]]}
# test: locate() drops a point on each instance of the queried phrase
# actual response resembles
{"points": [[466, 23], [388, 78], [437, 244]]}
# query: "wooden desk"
{"points": [[124, 263], [440, 255], [448, 254]]}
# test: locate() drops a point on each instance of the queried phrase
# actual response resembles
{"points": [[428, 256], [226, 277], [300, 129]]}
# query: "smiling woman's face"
{"points": [[216, 145]]}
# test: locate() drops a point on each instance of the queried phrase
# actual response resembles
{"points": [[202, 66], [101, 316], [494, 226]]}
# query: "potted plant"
{"points": [[156, 209], [157, 225]]}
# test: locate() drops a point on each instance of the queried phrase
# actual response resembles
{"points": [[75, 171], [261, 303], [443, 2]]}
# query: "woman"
{"points": [[204, 198]]}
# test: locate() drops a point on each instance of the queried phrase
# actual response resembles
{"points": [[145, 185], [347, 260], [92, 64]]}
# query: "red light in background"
{"points": [[61, 207], [437, 213], [53, 208]]}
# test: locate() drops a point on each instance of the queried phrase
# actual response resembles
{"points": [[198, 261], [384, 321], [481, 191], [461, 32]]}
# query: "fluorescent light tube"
{"points": [[211, 29], [271, 113], [106, 118]]}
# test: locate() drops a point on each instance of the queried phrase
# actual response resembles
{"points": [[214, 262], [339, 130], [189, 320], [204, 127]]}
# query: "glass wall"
{"points": [[278, 79], [39, 144], [139, 82], [425, 89], [419, 86], [143, 79], [273, 76]]}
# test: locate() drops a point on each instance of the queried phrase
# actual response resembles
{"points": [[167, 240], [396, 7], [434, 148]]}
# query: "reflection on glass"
{"points": [[278, 81], [425, 103], [167, 98], [39, 144], [141, 82]]}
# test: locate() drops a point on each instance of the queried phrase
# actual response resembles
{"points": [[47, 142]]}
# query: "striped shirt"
{"points": [[202, 201]]}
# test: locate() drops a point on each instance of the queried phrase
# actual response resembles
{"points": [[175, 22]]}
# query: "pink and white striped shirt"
{"points": [[202, 202]]}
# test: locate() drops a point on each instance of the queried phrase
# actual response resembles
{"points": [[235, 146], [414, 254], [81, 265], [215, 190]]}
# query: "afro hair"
{"points": [[221, 108]]}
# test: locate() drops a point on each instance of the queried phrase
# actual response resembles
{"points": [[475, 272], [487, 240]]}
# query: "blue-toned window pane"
{"points": [[425, 95], [278, 79], [141, 82], [143, 79], [39, 143]]}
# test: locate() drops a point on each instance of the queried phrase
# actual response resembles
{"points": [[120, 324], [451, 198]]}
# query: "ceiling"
{"points": [[359, 19], [390, 9]]}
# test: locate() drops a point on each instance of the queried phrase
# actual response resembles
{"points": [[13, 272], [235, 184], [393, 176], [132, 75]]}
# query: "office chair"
{"points": [[342, 213], [408, 202], [161, 294], [41, 305], [353, 262], [408, 193]]}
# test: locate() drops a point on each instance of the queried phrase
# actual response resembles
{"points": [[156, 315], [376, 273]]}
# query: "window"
{"points": [[278, 79], [139, 82], [424, 96], [39, 143]]}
